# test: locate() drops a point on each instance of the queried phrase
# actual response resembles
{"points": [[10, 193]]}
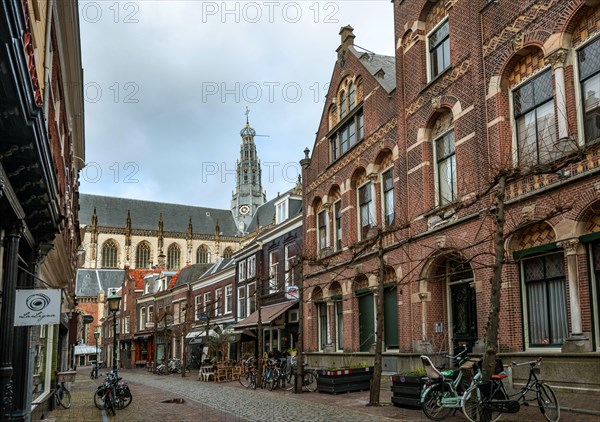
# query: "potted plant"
{"points": [[292, 351], [407, 387], [352, 377]]}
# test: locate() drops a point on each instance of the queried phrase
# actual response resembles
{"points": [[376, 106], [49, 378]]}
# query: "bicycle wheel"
{"points": [[290, 381], [99, 399], [244, 379], [310, 381], [125, 398], [548, 403], [253, 380], [65, 399], [473, 408], [432, 402]]}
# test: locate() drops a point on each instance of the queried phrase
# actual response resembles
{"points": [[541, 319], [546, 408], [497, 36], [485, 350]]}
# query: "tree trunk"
{"points": [[491, 333], [259, 360], [376, 383]]}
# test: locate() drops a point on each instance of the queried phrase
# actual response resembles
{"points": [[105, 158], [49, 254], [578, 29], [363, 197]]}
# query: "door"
{"points": [[463, 312]]}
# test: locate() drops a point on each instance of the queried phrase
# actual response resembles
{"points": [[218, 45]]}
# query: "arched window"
{"points": [[227, 253], [351, 96], [445, 159], [174, 257], [110, 251], [202, 255], [142, 255], [343, 110], [438, 40]]}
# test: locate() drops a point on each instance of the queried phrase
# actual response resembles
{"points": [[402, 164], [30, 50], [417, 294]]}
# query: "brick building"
{"points": [[480, 88]]}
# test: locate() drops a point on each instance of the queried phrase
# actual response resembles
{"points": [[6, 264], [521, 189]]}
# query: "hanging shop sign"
{"points": [[292, 292], [37, 307]]}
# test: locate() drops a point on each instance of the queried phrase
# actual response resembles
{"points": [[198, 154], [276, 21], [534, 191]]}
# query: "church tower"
{"points": [[248, 195]]}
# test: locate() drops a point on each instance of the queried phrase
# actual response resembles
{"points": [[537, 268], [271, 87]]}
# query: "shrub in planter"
{"points": [[407, 387], [344, 380]]}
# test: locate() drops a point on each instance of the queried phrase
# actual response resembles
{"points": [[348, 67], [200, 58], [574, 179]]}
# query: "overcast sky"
{"points": [[167, 84]]}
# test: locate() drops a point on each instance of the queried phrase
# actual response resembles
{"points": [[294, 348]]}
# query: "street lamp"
{"points": [[113, 305], [96, 336]]}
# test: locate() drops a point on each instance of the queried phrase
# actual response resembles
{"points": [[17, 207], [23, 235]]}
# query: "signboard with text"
{"points": [[37, 307]]}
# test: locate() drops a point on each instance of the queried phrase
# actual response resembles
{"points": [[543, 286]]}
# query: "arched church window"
{"points": [[202, 255], [142, 255], [110, 251], [174, 257], [227, 253]]}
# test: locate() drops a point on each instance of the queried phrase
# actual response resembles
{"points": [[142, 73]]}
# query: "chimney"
{"points": [[347, 36]]}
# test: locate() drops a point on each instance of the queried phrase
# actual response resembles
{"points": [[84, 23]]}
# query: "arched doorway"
{"points": [[454, 280]]}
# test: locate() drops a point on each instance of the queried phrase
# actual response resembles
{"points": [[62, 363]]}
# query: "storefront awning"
{"points": [[268, 314]]}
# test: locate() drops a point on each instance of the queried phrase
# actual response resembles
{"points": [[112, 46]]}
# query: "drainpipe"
{"points": [[48, 61]]}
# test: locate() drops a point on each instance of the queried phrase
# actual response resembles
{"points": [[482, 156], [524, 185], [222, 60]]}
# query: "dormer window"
{"points": [[281, 211]]}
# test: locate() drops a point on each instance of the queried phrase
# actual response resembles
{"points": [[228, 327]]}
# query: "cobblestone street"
{"points": [[231, 402]]}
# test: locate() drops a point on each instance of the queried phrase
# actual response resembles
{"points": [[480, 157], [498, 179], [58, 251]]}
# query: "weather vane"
{"points": [[247, 113]]}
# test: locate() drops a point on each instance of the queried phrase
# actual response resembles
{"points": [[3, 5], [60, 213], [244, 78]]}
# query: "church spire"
{"points": [[248, 195]]}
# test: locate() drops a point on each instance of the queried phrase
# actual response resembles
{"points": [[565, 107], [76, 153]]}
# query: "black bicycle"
{"points": [[486, 401], [62, 396], [248, 377]]}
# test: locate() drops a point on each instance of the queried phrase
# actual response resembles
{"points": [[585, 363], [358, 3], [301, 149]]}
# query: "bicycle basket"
{"points": [[68, 376]]}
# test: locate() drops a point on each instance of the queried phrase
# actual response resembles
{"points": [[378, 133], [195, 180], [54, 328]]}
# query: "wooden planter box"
{"points": [[407, 390], [344, 380]]}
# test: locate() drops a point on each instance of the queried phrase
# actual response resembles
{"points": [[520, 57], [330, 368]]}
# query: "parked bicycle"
{"points": [[442, 393], [62, 396], [112, 394], [248, 377], [486, 401], [309, 377]]}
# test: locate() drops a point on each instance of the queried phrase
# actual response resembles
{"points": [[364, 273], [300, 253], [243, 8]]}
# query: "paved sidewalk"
{"points": [[209, 401]]}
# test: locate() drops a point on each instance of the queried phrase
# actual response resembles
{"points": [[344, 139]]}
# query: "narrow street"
{"points": [[224, 402]]}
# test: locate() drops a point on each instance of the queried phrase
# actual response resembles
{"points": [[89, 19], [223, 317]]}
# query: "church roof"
{"points": [[383, 68], [90, 282], [112, 212]]}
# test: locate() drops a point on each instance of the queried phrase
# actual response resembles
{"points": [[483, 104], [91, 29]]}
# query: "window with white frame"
{"points": [[546, 296], [322, 229], [337, 225], [242, 270], [219, 302], [142, 325], [588, 59], [150, 315], [290, 257], [533, 105], [445, 157], [281, 211], [273, 275], [438, 42], [228, 298], [323, 325], [127, 324], [366, 209], [251, 266], [241, 310], [387, 186], [208, 305], [197, 307]]}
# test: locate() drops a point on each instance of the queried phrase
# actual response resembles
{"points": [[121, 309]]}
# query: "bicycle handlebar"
{"points": [[537, 361], [460, 354]]}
